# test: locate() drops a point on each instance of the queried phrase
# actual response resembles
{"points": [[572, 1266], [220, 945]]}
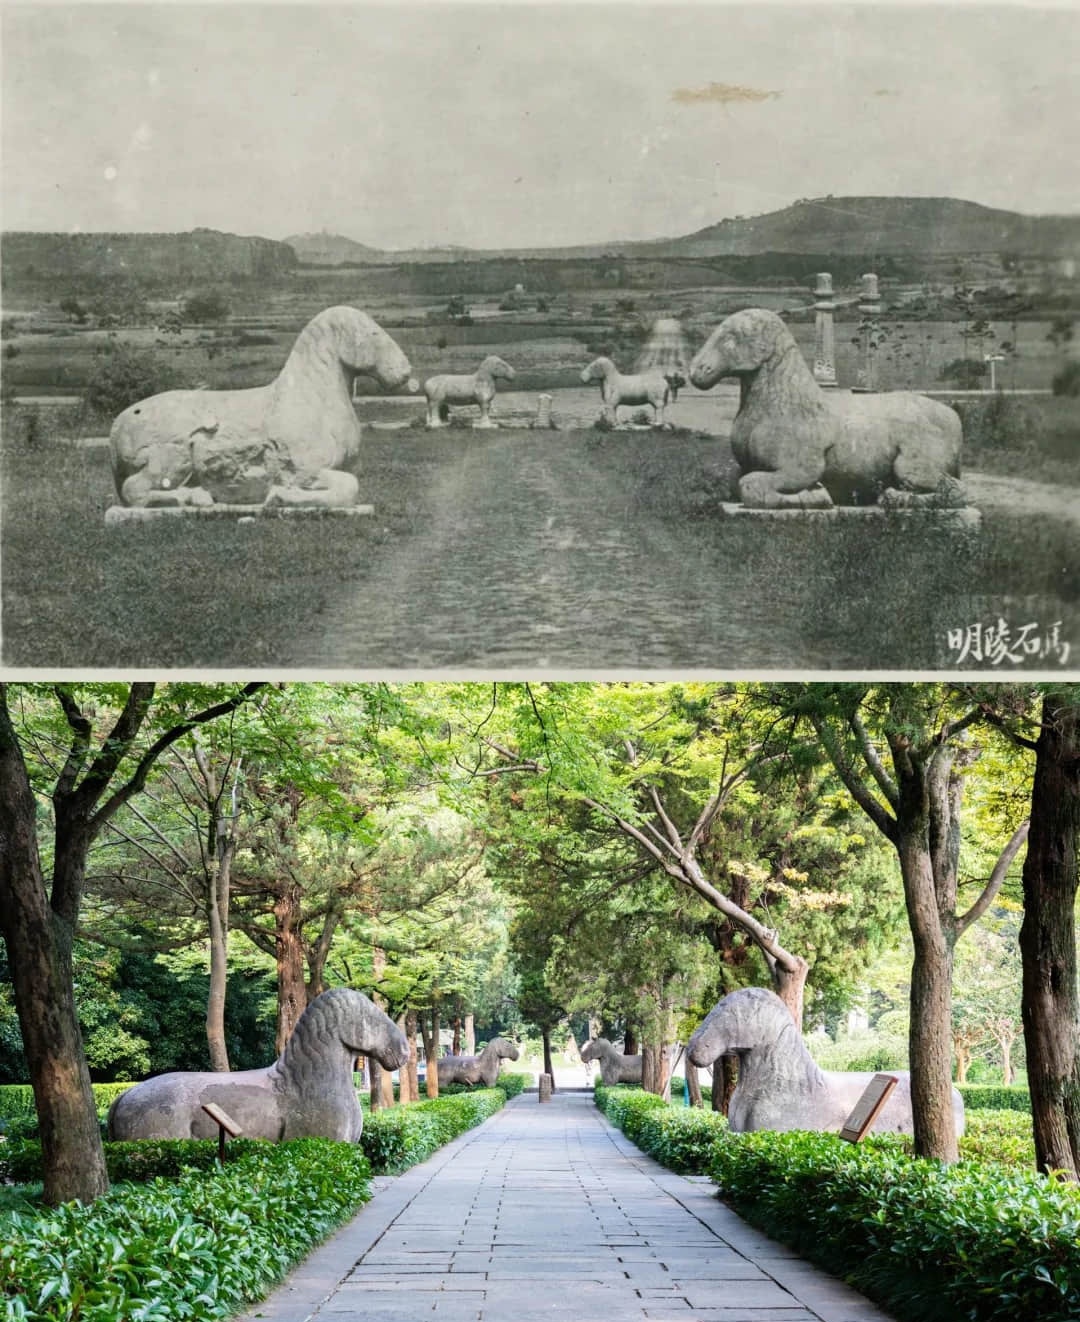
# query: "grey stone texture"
{"points": [[614, 1066], [294, 441], [482, 1068], [307, 1092], [791, 438], [780, 1085], [443, 390], [551, 1213]]}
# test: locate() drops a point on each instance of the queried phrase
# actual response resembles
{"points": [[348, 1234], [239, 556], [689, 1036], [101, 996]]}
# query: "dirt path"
{"points": [[527, 552]]}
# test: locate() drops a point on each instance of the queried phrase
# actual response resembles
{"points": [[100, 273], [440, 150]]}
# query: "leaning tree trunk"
{"points": [[725, 1077], [39, 954], [1049, 1005], [630, 1042]]}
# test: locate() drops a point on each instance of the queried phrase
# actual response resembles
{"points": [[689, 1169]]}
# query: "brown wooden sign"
{"points": [[222, 1118], [866, 1109]]}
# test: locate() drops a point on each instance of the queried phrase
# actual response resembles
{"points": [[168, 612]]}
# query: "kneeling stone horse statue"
{"points": [[780, 1085], [483, 1068], [306, 1093], [614, 1066]]}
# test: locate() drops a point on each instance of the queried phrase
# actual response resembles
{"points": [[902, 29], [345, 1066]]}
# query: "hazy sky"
{"points": [[518, 123]]}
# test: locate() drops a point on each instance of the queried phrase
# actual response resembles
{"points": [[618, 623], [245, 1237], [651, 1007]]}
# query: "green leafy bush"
{"points": [[1000, 1136], [18, 1116], [931, 1242], [199, 1247], [994, 1097], [139, 1161], [398, 1138], [680, 1137], [513, 1085], [125, 376]]}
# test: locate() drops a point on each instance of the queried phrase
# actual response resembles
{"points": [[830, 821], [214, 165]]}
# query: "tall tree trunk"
{"points": [[1049, 1001], [549, 1069], [930, 1034], [455, 1047], [39, 943], [382, 1081], [409, 1087], [292, 992], [429, 1027], [725, 1077], [219, 970], [630, 1042], [650, 1068], [693, 1083], [470, 1035]]}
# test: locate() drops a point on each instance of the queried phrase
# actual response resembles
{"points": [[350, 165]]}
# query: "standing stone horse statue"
{"points": [[780, 1084], [290, 442], [799, 446], [306, 1093], [442, 391], [483, 1068], [614, 1066], [644, 388]]}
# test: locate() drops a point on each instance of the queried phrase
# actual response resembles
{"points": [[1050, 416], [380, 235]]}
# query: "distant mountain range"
{"points": [[853, 226]]}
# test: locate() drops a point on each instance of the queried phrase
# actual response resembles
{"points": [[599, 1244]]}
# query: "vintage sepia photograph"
{"points": [[541, 337]]}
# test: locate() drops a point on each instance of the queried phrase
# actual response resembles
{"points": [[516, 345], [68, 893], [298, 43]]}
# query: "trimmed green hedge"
{"points": [[18, 1116], [680, 1137], [200, 1246], [511, 1084], [991, 1097], [400, 1137], [932, 1243]]}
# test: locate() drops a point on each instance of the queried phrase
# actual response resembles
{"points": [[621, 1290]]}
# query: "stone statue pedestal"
{"points": [[967, 519], [118, 514]]}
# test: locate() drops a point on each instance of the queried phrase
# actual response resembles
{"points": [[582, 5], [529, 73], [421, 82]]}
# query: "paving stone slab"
{"points": [[551, 1215]]}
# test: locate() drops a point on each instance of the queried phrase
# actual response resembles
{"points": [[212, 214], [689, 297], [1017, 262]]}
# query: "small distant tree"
{"points": [[457, 307], [206, 306], [964, 373], [73, 308], [124, 376], [1060, 334]]}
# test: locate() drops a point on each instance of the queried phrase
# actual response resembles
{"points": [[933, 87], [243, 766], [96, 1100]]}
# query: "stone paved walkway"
{"points": [[548, 1212]]}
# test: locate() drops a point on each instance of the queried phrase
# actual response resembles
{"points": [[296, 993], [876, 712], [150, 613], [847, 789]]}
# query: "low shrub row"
{"points": [[197, 1247], [511, 1084], [400, 1137], [931, 1242], [994, 1097], [679, 1137], [17, 1100]]}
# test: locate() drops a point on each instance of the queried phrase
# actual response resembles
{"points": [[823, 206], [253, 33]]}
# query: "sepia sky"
{"points": [[516, 124]]}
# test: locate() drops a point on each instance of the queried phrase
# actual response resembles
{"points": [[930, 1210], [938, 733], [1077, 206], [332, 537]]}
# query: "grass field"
{"points": [[722, 595]]}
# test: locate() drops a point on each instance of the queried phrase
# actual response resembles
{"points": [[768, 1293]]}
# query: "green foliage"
{"points": [[198, 1248], [1066, 381], [679, 1137], [990, 1097], [125, 376], [929, 1241], [999, 422], [964, 373], [398, 1138], [513, 1084], [208, 305], [1000, 1137]]}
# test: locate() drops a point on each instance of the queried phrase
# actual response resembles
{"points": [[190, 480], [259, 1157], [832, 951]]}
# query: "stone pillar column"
{"points": [[869, 307], [825, 339], [543, 411]]}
